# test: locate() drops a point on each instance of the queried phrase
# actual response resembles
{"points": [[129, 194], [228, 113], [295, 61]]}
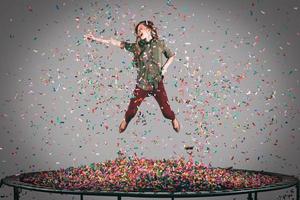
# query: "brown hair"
{"points": [[149, 24]]}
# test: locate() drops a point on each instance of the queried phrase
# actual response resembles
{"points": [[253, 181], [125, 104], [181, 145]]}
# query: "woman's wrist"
{"points": [[163, 71]]}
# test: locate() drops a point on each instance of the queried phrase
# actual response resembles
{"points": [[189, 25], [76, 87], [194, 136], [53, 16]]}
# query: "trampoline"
{"points": [[286, 181]]}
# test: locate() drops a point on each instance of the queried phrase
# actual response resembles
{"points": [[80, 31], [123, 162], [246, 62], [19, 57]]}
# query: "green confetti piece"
{"points": [[58, 120], [79, 42]]}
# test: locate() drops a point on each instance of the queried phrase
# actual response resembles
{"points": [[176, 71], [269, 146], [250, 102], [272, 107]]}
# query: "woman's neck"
{"points": [[148, 38]]}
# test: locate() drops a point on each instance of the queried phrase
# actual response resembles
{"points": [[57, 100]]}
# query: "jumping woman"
{"points": [[147, 51]]}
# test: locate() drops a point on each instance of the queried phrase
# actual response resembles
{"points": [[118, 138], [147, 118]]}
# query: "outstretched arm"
{"points": [[112, 41]]}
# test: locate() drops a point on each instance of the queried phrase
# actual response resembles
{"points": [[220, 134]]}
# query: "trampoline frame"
{"points": [[288, 181]]}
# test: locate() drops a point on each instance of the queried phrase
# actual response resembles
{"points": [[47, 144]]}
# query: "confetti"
{"points": [[132, 174]]}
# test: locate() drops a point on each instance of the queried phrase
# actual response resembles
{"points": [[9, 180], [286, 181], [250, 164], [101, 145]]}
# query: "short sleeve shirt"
{"points": [[149, 61]]}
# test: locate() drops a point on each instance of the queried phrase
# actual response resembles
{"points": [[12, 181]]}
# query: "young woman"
{"points": [[147, 50]]}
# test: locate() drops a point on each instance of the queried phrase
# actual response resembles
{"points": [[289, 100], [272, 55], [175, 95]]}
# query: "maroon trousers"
{"points": [[139, 95]]}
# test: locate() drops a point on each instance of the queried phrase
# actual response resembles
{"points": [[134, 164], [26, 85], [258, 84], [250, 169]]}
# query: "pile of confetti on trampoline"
{"points": [[133, 174]]}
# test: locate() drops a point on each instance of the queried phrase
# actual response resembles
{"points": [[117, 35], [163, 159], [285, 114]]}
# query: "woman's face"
{"points": [[143, 31]]}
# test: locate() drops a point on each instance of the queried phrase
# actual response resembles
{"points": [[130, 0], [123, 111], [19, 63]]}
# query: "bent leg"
{"points": [[162, 99], [139, 95]]}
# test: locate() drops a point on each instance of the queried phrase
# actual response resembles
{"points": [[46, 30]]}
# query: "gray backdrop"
{"points": [[234, 86]]}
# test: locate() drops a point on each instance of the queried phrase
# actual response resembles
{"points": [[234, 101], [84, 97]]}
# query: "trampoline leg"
{"points": [[250, 196], [16, 193], [119, 197], [298, 190], [81, 196], [172, 198], [255, 195]]}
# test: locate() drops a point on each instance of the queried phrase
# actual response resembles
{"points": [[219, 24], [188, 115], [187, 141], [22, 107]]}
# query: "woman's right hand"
{"points": [[89, 36], [114, 42]]}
